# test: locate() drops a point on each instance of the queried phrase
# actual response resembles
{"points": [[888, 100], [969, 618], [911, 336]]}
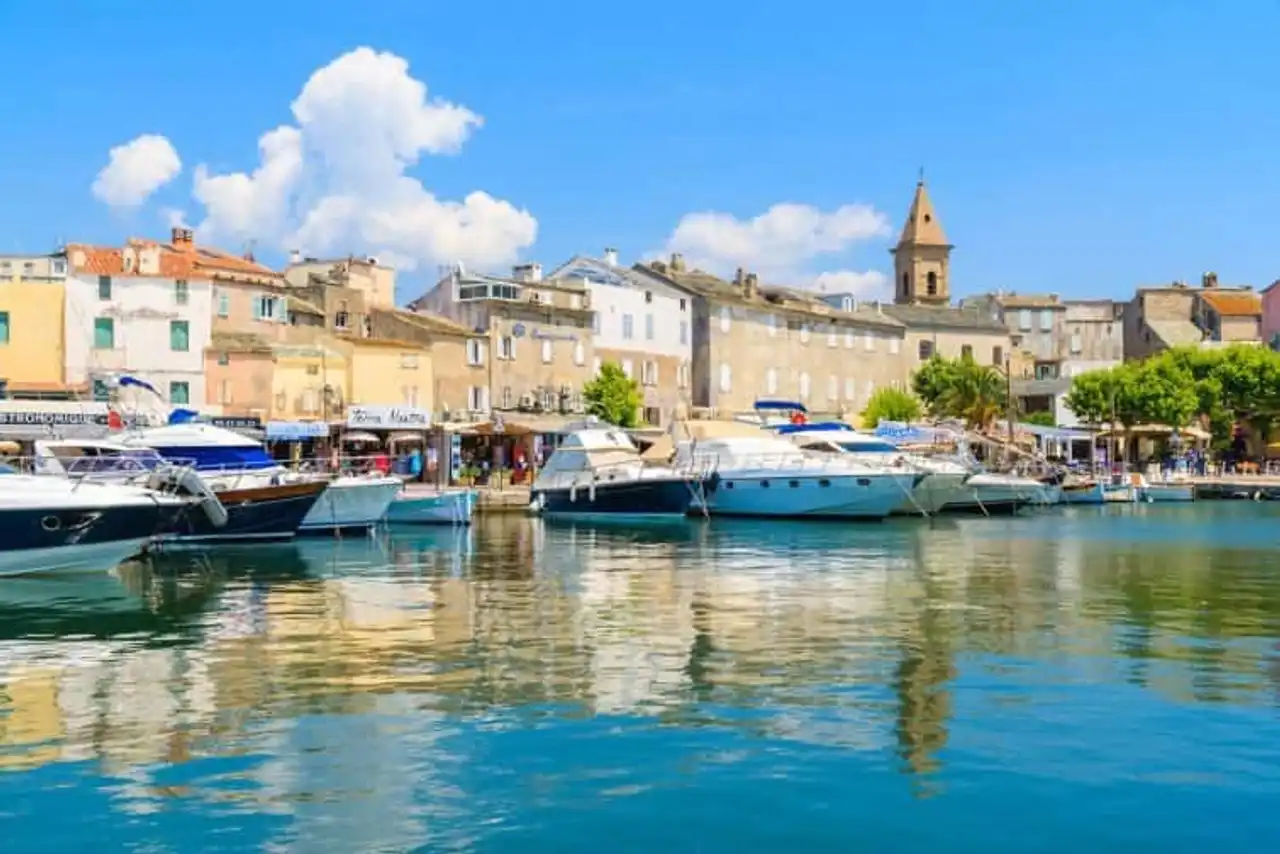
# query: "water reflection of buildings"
{"points": [[844, 636]]}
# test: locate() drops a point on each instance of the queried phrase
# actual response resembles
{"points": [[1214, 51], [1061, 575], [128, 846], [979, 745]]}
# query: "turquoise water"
{"points": [[1103, 679]]}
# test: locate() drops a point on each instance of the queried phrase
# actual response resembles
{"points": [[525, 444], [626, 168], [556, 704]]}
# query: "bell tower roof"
{"points": [[922, 227]]}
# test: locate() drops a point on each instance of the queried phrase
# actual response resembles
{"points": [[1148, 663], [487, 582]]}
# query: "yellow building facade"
{"points": [[387, 372], [309, 382], [32, 344]]}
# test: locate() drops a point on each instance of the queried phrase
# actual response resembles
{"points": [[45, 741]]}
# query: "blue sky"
{"points": [[1081, 148]]}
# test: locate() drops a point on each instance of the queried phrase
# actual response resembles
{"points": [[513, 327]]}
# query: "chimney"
{"points": [[295, 257], [677, 262], [751, 285], [740, 277], [1209, 281], [182, 238], [527, 272], [611, 256]]}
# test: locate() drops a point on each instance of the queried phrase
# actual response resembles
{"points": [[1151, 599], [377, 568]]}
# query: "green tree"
{"points": [[613, 396], [1162, 392], [1042, 419], [932, 382], [975, 393], [890, 404]]}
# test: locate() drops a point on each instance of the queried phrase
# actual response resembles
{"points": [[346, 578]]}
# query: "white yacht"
{"points": [[943, 479], [599, 471], [757, 473], [56, 524], [228, 460]]}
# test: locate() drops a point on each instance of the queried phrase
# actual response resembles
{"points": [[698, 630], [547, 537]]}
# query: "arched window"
{"points": [[931, 282]]}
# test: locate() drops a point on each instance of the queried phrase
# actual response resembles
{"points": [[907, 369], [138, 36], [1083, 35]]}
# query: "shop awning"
{"points": [[296, 431]]}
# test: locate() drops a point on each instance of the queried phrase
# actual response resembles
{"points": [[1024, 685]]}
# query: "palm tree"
{"points": [[975, 393]]}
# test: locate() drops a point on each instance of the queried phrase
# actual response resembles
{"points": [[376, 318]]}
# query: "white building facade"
{"points": [[140, 323], [643, 325]]}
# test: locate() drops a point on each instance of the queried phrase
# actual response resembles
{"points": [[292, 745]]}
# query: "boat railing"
{"points": [[798, 463], [123, 470]]}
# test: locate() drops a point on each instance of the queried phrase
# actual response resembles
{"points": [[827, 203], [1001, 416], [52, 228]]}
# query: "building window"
{"points": [[224, 359], [224, 392], [548, 351], [575, 301], [684, 332], [628, 367], [506, 347], [179, 336], [1077, 345], [101, 390], [648, 327], [224, 305], [906, 284], [313, 370], [725, 317], [181, 292], [1046, 320], [179, 392], [894, 346], [850, 388], [804, 333], [104, 333], [595, 367], [59, 268], [1024, 319], [682, 305], [627, 331], [966, 351], [506, 397], [409, 361], [868, 342], [268, 308], [804, 386], [650, 373], [4, 327], [475, 352], [871, 389], [682, 375], [478, 398], [833, 387], [931, 283], [832, 339], [104, 287], [771, 381], [595, 322], [579, 353], [926, 350], [341, 319], [997, 355], [771, 323], [726, 378]]}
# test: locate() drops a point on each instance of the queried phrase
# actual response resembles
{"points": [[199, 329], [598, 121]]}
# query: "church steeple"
{"points": [[921, 260]]}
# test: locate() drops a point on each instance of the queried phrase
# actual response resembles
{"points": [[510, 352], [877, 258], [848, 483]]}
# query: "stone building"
{"points": [[752, 341], [644, 325], [1176, 315], [537, 342]]}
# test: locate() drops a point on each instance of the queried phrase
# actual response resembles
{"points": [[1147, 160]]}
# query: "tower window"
{"points": [[928, 218], [931, 282]]}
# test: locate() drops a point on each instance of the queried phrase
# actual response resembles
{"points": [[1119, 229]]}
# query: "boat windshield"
{"points": [[871, 446], [113, 461]]}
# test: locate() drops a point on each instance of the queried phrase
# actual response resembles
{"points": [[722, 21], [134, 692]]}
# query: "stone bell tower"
{"points": [[922, 258]]}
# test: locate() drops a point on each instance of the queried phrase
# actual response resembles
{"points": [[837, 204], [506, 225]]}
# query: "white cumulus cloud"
{"points": [[783, 243], [135, 170], [337, 179]]}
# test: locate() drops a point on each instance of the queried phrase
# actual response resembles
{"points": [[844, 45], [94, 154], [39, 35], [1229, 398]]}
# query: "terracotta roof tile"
{"points": [[176, 261], [1233, 303]]}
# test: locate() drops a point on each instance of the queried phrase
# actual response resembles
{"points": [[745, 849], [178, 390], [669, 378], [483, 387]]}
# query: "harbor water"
{"points": [[1094, 678]]}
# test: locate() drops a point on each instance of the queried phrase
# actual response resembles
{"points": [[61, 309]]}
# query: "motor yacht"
{"points": [[255, 508], [758, 473], [599, 472], [229, 460], [942, 480], [60, 524]]}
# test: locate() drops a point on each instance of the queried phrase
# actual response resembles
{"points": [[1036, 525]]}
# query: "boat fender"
{"points": [[573, 493], [591, 492], [209, 504]]}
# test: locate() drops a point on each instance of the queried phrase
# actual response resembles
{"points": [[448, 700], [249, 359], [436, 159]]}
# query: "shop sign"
{"points": [[229, 423], [388, 418]]}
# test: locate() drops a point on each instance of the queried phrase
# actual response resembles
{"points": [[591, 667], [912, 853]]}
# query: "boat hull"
{"points": [[1168, 493], [253, 514], [932, 494], [352, 503], [80, 538], [454, 507], [640, 497], [807, 495], [1090, 495], [983, 494]]}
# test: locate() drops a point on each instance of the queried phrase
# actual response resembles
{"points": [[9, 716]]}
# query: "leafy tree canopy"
{"points": [[890, 404], [613, 396], [961, 388]]}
